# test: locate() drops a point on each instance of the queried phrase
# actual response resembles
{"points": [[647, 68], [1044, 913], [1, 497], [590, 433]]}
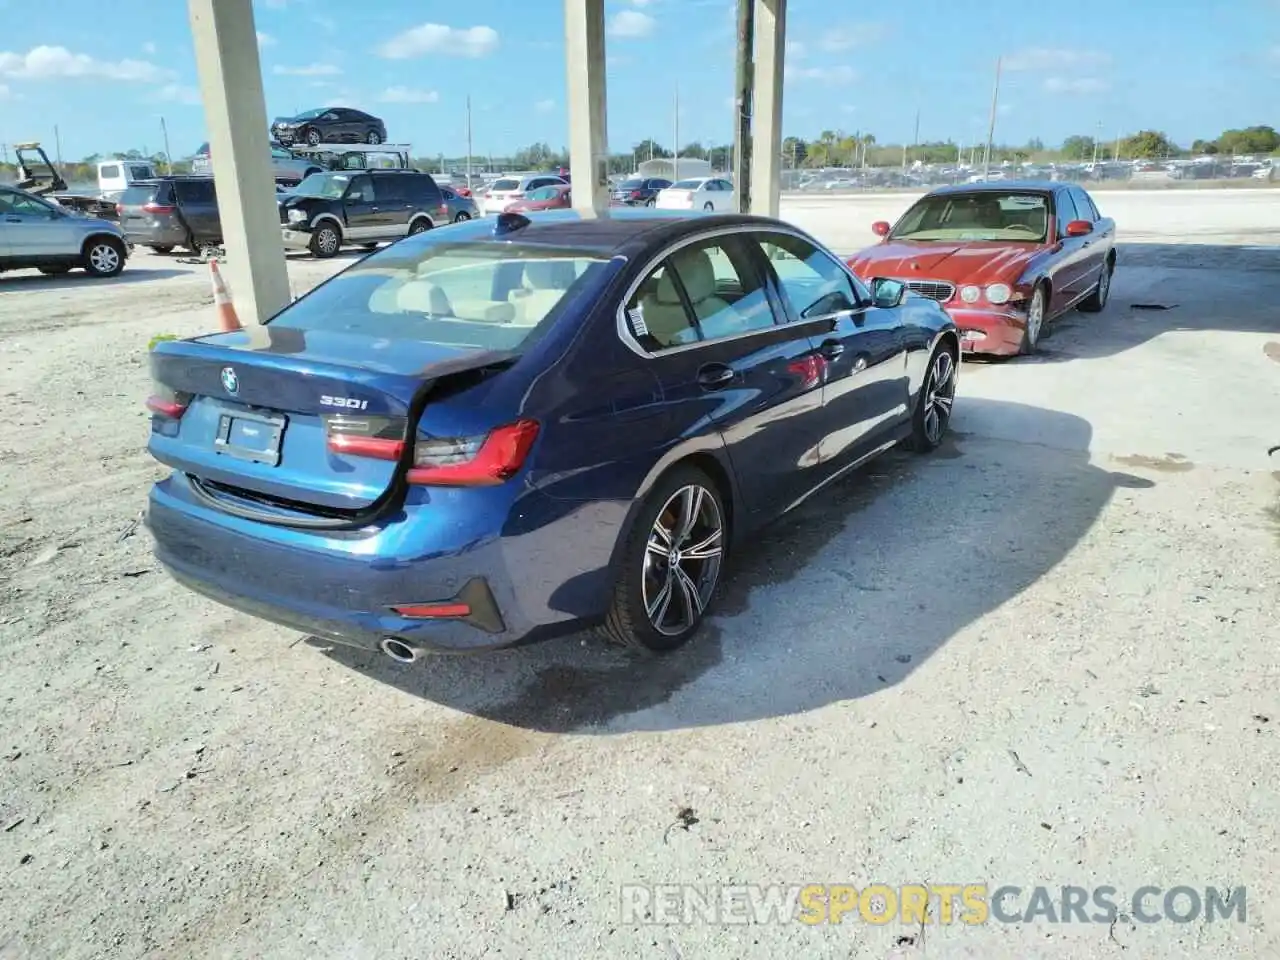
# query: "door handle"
{"points": [[715, 375], [832, 349], [373, 209]]}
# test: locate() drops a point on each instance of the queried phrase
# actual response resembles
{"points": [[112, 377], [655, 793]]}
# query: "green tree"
{"points": [[1249, 140], [694, 150], [1077, 148], [794, 150], [1206, 147], [1148, 145], [649, 149]]}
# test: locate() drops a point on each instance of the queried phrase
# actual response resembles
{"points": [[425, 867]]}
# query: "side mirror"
{"points": [[886, 293], [880, 228], [1079, 228]]}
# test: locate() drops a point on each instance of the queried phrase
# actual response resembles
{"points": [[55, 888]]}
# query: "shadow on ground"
{"points": [[78, 278], [843, 597], [1161, 288]]}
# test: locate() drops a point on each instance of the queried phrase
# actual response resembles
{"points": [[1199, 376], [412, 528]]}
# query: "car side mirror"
{"points": [[1079, 228], [886, 293], [880, 228]]}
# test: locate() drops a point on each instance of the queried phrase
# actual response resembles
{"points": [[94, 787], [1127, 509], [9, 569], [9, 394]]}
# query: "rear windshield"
{"points": [[505, 184], [139, 194], [631, 185], [687, 184], [479, 295]]}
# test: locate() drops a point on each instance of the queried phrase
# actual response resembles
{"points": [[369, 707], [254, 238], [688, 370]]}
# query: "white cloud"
{"points": [[5, 92], [327, 24], [545, 106], [179, 93], [310, 70], [795, 49], [1053, 58], [407, 95], [842, 39], [631, 23], [838, 74], [266, 39], [1076, 85], [44, 62], [149, 48], [439, 39]]}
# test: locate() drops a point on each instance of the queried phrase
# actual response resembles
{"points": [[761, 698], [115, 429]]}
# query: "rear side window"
{"points": [[393, 189], [195, 191], [506, 183], [474, 295], [109, 172]]}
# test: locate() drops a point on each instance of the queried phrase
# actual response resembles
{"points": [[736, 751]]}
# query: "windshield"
{"points": [[544, 193], [480, 295], [505, 184], [687, 185], [326, 186], [310, 114], [981, 215], [631, 185]]}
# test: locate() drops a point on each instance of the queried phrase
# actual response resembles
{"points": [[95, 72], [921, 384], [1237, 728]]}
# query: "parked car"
{"points": [[507, 190], [168, 212], [558, 196], [504, 431], [461, 206], [638, 191], [1005, 258], [285, 167], [329, 125], [698, 193], [330, 209], [37, 234]]}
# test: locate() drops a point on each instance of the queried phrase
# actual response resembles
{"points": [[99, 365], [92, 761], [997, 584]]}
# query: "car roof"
{"points": [[999, 186]]}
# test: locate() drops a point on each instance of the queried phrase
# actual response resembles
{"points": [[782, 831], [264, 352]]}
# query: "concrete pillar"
{"points": [[766, 130], [588, 142], [226, 43]]}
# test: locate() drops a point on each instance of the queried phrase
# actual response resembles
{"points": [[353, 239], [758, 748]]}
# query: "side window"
{"points": [[813, 283], [109, 172], [195, 191], [1084, 205], [1066, 211], [361, 190], [392, 189], [28, 207], [705, 291]]}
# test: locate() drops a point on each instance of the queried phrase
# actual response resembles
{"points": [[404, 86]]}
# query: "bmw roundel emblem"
{"points": [[230, 382]]}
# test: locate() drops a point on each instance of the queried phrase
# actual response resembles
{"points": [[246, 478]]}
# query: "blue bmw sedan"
{"points": [[492, 433]]}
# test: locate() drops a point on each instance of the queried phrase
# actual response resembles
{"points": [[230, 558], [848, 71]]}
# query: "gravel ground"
{"points": [[1044, 655]]}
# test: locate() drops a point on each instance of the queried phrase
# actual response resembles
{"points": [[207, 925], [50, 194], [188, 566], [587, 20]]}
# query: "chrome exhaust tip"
{"points": [[398, 650]]}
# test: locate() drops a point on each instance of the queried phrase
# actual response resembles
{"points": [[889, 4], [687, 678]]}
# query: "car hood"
{"points": [[958, 262]]}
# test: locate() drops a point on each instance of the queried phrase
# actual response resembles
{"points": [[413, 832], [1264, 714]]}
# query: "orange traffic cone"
{"points": [[227, 319]]}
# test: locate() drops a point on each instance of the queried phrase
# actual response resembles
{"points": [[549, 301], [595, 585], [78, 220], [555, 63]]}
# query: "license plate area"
{"points": [[249, 436]]}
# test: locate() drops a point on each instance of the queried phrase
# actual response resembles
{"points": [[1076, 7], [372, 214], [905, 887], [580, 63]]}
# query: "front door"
{"points": [[711, 324], [861, 347], [365, 218], [34, 228], [1095, 247], [1067, 277]]}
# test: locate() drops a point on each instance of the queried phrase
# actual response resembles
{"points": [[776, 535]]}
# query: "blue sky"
{"points": [[106, 75]]}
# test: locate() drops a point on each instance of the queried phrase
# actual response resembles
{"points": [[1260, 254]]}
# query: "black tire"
{"points": [[103, 256], [1034, 329], [326, 240], [55, 271], [1097, 301], [640, 569], [462, 217], [313, 137], [373, 137], [932, 415], [421, 225], [163, 250], [369, 247], [652, 201]]}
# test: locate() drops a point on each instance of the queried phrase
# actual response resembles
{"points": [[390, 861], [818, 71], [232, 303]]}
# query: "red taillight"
{"points": [[636, 194], [444, 210], [378, 438], [473, 461], [168, 403], [158, 208], [433, 611], [119, 209]]}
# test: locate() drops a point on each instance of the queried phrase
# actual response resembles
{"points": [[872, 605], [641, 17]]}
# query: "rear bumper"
{"points": [[342, 588], [160, 236], [989, 331]]}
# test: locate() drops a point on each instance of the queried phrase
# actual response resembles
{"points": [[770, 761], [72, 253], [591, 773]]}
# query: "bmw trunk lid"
{"points": [[305, 419]]}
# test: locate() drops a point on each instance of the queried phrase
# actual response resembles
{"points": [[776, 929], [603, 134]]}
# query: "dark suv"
{"points": [[367, 207], [168, 212], [330, 125], [639, 191]]}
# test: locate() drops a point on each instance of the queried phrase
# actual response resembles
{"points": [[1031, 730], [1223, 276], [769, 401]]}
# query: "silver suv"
{"points": [[35, 233]]}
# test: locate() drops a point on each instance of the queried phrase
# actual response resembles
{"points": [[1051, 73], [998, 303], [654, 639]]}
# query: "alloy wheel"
{"points": [[328, 241], [104, 258], [682, 560], [940, 395], [1035, 318]]}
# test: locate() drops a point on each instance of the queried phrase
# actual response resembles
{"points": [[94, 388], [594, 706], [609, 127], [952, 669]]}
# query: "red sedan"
{"points": [[1004, 258], [554, 197]]}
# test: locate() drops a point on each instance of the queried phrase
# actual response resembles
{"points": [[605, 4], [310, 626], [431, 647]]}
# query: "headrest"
{"points": [[548, 274], [423, 296], [696, 273]]}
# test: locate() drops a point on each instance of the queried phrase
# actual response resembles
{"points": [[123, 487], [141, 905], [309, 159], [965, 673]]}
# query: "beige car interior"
{"points": [[663, 312]]}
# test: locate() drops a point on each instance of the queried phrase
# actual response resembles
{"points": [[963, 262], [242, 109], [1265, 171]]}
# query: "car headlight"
{"points": [[999, 293], [297, 216], [970, 294]]}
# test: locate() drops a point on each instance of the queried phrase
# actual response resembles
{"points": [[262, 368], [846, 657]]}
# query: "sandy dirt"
{"points": [[1046, 654]]}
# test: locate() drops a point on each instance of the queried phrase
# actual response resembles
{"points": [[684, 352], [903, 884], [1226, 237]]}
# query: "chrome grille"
{"points": [[938, 290]]}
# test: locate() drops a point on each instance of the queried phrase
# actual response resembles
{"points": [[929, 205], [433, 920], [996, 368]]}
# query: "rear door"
{"points": [[394, 203], [707, 317], [198, 205], [860, 348]]}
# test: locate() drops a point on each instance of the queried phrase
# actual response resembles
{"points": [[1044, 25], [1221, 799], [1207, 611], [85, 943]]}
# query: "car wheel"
{"points": [[164, 251], [708, 206], [462, 217], [421, 225], [313, 137], [670, 564], [373, 137], [932, 415], [104, 256], [650, 202], [1035, 321], [326, 240], [1097, 300], [369, 247], [55, 271]]}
